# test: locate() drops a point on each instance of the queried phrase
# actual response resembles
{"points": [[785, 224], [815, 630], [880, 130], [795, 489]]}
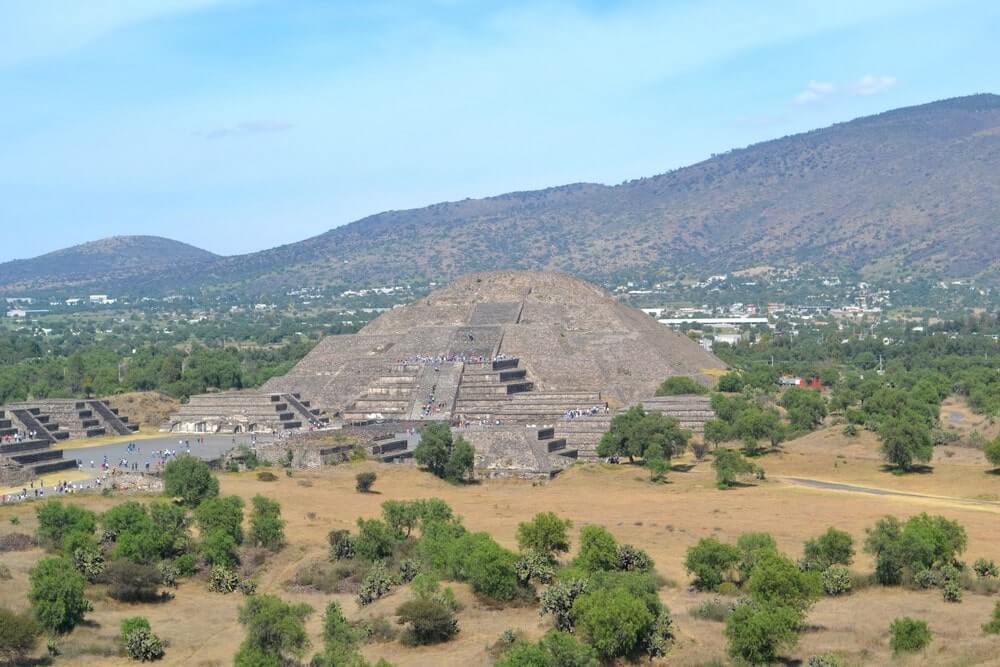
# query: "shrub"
{"points": [[558, 600], [545, 534], [633, 559], [825, 660], [710, 561], [555, 649], [224, 514], [186, 565], [18, 635], [908, 635], [679, 385], [533, 566], [408, 569], [131, 624], [223, 580], [56, 595], [757, 631], [375, 540], [56, 520], [275, 629], [837, 580], [266, 476], [614, 621], [341, 544], [598, 549], [336, 629], [168, 572], [834, 547], [16, 542], [132, 582], [927, 578], [189, 479], [376, 584], [267, 529], [728, 588], [364, 481], [489, 568], [751, 546], [247, 587], [984, 568], [218, 548], [993, 627], [716, 609], [777, 580], [144, 646], [951, 591], [89, 561], [5, 572], [429, 620]]}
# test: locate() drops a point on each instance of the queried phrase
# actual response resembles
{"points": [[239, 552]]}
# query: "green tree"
{"points": [[56, 521], [221, 513], [711, 561], [275, 631], [909, 635], [731, 382], [729, 465], [751, 546], [834, 547], [434, 448], [190, 479], [460, 463], [717, 432], [219, 548], [635, 432], [598, 549], [555, 649], [375, 541], [430, 621], [777, 580], [546, 534], [905, 441], [267, 528], [613, 621], [754, 425], [401, 515], [806, 407], [56, 595], [364, 481], [679, 385], [992, 451], [757, 632]]}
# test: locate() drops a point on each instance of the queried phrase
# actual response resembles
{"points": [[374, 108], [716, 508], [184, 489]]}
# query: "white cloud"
{"points": [[870, 84], [815, 91], [246, 128]]}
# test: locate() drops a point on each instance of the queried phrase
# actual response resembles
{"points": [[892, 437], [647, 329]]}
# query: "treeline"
{"points": [[963, 359], [102, 369]]}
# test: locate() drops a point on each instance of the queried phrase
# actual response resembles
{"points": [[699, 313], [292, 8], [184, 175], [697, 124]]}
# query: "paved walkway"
{"points": [[146, 451], [876, 491]]}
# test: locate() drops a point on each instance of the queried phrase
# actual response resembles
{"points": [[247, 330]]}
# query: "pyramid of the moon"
{"points": [[514, 346]]}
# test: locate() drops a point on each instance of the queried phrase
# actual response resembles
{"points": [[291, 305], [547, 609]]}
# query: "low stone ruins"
{"points": [[29, 431]]}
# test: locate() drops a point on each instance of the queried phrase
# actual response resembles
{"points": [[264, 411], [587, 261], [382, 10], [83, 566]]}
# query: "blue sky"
{"points": [[237, 125]]}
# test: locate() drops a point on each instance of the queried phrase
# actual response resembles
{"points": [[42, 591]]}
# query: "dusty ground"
{"points": [[665, 520], [146, 408]]}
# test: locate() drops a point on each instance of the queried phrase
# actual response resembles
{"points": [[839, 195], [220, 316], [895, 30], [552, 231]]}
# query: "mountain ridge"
{"points": [[907, 191]]}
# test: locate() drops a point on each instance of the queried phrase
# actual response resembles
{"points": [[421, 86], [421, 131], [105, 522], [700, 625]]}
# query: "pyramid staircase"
{"points": [[35, 454]]}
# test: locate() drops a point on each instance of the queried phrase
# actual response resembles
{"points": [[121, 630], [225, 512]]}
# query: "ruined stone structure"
{"points": [[71, 418], [243, 412], [515, 345], [508, 350], [24, 459]]}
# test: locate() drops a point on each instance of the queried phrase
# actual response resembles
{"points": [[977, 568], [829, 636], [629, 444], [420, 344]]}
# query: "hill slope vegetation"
{"points": [[909, 191]]}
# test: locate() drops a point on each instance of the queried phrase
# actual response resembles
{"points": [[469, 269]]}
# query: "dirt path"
{"points": [[987, 505]]}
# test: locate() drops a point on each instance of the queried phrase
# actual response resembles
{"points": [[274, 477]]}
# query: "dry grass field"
{"points": [[202, 629]]}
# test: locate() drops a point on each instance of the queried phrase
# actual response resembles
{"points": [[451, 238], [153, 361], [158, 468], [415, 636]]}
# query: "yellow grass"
{"points": [[663, 519]]}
